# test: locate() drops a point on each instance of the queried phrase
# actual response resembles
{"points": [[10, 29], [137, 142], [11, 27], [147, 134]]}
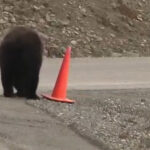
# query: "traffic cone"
{"points": [[59, 91]]}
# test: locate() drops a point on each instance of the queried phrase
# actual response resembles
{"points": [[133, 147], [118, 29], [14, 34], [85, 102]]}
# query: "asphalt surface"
{"points": [[99, 73], [24, 127]]}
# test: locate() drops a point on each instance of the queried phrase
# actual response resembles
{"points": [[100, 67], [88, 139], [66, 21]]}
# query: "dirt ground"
{"points": [[111, 119], [93, 28]]}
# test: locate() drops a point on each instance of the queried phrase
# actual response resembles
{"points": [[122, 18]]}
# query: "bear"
{"points": [[20, 62]]}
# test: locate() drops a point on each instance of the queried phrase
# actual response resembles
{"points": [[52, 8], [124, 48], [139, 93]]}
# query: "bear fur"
{"points": [[20, 62]]}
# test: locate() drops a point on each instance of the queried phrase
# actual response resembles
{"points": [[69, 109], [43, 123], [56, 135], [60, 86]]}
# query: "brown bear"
{"points": [[20, 62]]}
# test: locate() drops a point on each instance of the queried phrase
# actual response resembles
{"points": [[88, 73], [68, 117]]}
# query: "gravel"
{"points": [[111, 119], [94, 28]]}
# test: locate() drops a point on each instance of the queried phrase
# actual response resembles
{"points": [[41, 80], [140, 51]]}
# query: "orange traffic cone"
{"points": [[59, 91]]}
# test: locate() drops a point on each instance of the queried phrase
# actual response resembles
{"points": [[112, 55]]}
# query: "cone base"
{"points": [[65, 100]]}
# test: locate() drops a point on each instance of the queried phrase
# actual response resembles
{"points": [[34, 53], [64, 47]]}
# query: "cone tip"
{"points": [[69, 49]]}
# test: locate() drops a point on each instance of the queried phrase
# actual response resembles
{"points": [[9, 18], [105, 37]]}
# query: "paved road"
{"points": [[100, 73]]}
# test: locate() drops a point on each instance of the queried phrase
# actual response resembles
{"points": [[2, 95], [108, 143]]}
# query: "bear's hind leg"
{"points": [[31, 84], [19, 85], [7, 81]]}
